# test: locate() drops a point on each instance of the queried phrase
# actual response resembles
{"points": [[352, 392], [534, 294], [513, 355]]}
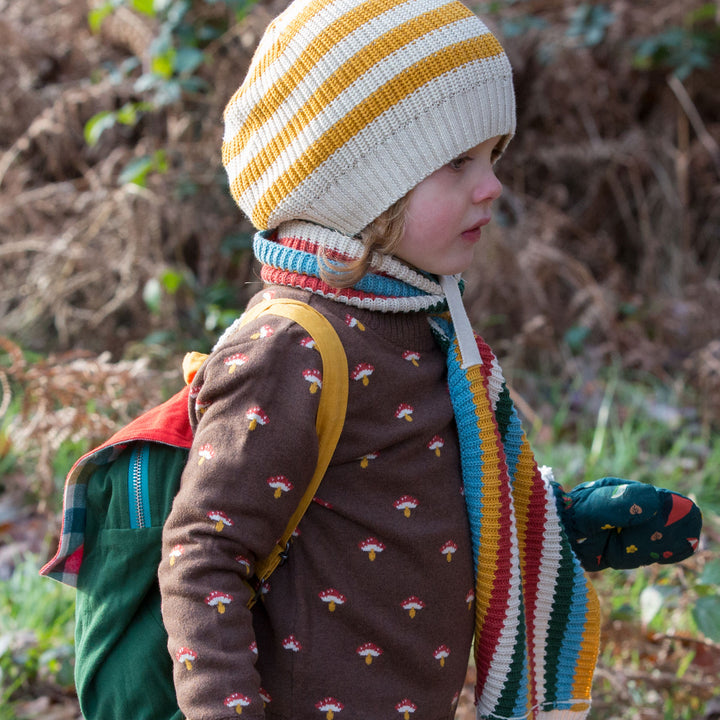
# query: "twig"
{"points": [[696, 121]]}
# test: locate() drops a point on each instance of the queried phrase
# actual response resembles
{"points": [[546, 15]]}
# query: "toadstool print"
{"points": [[253, 648], [353, 322], [365, 459], [449, 549], [219, 600], [314, 377], [186, 656], [291, 643], [362, 372], [256, 417], [202, 405], [406, 707], [412, 356], [441, 653], [371, 546], [404, 411], [329, 706], [175, 553], [244, 562], [322, 503], [412, 605], [406, 503], [280, 484], [369, 651], [238, 701], [221, 519], [234, 361], [206, 452], [469, 598], [264, 696], [264, 332], [333, 598], [435, 444], [308, 342]]}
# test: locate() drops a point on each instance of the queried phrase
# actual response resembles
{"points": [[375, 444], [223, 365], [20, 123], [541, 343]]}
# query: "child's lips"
{"points": [[474, 233]]}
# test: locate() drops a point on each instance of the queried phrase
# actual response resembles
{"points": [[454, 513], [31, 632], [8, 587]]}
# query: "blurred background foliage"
{"points": [[598, 285]]}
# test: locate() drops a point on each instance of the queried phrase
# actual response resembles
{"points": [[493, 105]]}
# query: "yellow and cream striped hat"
{"points": [[348, 104]]}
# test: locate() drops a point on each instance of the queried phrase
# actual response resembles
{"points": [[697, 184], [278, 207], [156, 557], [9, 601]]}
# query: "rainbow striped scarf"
{"points": [[536, 615]]}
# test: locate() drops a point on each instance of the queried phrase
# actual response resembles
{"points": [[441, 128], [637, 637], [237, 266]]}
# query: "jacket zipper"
{"points": [[138, 491]]}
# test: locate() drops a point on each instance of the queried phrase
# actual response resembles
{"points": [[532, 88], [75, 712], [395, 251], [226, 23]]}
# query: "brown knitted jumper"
{"points": [[372, 614]]}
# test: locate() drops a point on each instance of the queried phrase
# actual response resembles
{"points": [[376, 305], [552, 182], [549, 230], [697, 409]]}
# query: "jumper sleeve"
{"points": [[253, 405]]}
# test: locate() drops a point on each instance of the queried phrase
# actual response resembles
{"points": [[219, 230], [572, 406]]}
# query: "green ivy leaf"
{"points": [[706, 613], [97, 125], [172, 280], [188, 59], [152, 295], [136, 171], [97, 15]]}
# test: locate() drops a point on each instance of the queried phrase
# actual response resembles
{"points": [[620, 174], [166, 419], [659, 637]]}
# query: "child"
{"points": [[362, 145]]}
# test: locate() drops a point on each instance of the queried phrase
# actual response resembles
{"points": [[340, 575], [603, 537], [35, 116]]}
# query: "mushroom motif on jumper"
{"points": [[244, 562], [436, 444], [412, 605], [362, 372], [449, 549], [308, 342], [371, 546], [404, 411], [314, 377], [253, 648], [322, 503], [406, 503], [406, 708], [470, 598], [365, 459], [206, 452], [238, 701], [264, 696], [329, 706], [369, 651], [186, 656], [280, 484], [202, 405], [219, 600], [441, 653], [175, 553], [264, 332], [412, 356], [291, 643], [333, 598], [256, 417], [353, 322], [234, 361], [221, 519]]}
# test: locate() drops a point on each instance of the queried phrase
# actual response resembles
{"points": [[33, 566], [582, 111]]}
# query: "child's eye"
{"points": [[458, 162]]}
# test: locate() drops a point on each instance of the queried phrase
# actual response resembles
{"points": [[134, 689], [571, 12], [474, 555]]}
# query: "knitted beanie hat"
{"points": [[348, 104]]}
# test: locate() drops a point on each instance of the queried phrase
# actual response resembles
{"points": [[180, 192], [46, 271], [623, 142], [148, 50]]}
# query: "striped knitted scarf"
{"points": [[536, 614]]}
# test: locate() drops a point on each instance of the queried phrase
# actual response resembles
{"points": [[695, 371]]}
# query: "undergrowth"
{"points": [[661, 638]]}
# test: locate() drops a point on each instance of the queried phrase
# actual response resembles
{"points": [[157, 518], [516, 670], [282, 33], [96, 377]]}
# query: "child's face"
{"points": [[447, 210]]}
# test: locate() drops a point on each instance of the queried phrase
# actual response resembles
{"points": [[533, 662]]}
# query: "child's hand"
{"points": [[625, 524]]}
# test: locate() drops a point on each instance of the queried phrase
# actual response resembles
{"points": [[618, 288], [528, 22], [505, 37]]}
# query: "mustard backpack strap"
{"points": [[330, 415]]}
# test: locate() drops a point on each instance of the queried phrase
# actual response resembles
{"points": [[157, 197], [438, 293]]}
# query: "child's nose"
{"points": [[487, 188]]}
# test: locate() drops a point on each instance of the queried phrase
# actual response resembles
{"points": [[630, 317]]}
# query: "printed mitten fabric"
{"points": [[625, 524]]}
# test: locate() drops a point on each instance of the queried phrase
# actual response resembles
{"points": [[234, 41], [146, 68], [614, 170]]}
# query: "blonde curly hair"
{"points": [[382, 235]]}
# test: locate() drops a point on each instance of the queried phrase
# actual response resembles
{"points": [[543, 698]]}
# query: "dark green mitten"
{"points": [[625, 524]]}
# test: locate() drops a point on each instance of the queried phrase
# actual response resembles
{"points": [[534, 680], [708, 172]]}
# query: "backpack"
{"points": [[116, 500]]}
